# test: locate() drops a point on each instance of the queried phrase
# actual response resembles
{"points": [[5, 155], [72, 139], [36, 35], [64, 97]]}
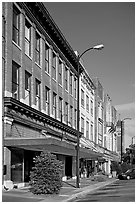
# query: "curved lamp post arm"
{"points": [[96, 47]]}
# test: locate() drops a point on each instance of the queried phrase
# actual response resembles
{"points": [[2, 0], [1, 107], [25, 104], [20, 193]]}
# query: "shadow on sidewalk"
{"points": [[68, 184]]}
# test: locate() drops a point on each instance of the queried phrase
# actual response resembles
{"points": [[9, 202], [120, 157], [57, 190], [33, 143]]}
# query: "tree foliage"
{"points": [[46, 175]]}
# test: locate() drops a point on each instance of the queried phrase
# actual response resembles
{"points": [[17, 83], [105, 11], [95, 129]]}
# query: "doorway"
{"points": [[68, 167]]}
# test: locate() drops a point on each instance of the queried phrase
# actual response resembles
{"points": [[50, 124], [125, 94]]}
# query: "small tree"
{"points": [[46, 175], [115, 167]]}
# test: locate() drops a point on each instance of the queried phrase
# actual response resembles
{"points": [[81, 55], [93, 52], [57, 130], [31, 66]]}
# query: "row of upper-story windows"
{"points": [[69, 114], [89, 108], [89, 133], [50, 56]]}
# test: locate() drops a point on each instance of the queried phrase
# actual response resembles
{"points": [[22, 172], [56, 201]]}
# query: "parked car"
{"points": [[129, 174]]}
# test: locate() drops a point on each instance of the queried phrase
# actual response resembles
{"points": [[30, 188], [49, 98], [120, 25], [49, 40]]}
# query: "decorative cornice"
{"points": [[12, 104]]}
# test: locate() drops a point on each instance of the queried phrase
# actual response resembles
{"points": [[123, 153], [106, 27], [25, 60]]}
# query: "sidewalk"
{"points": [[68, 191]]}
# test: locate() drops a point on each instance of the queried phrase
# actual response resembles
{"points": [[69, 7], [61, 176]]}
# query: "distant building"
{"points": [[99, 112]]}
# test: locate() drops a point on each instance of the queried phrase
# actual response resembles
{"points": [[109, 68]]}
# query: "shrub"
{"points": [[125, 166], [115, 167], [99, 178], [46, 175]]}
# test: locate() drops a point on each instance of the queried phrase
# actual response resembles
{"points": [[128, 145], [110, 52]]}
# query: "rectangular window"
{"points": [[60, 72], [37, 49], [27, 88], [87, 103], [70, 82], [82, 97], [37, 94], [47, 58], [71, 116], [66, 78], [15, 81], [100, 133], [66, 112], [16, 26], [75, 87], [75, 118], [27, 38], [54, 107], [47, 100], [87, 129], [91, 132], [91, 107], [60, 109], [82, 125], [54, 65]]}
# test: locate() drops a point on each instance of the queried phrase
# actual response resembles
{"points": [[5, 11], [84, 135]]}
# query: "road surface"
{"points": [[119, 191]]}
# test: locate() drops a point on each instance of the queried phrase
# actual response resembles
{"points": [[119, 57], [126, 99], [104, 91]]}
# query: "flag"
{"points": [[112, 129]]}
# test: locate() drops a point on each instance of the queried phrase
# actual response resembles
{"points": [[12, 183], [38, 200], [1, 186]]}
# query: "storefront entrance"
{"points": [[21, 164], [68, 167]]}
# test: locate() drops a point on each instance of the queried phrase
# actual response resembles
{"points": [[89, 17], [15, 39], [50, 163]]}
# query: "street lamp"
{"points": [[97, 47], [121, 124]]}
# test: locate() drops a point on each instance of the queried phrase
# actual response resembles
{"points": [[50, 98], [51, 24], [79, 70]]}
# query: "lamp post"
{"points": [[122, 126], [97, 47]]}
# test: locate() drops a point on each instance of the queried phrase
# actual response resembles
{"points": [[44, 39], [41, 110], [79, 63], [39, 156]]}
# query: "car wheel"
{"points": [[128, 177]]}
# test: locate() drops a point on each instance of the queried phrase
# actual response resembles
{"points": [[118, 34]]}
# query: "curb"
{"points": [[87, 190]]}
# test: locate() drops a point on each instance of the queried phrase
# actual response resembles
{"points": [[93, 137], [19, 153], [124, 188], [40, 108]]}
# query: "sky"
{"points": [[85, 24]]}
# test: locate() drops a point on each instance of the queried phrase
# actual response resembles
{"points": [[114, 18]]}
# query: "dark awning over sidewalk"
{"points": [[50, 144]]}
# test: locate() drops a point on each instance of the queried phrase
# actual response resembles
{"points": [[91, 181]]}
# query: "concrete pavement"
{"points": [[68, 191]]}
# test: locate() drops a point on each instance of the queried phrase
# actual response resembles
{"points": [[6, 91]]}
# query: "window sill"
{"points": [[54, 79], [38, 65], [16, 45], [28, 56], [47, 73]]}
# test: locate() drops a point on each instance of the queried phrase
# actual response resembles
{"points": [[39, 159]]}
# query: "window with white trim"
{"points": [[70, 82], [27, 88], [54, 60], [15, 81], [91, 107], [54, 107], [16, 26], [71, 116], [37, 48], [27, 38], [66, 112], [75, 118], [82, 125], [87, 103], [82, 97], [47, 100], [37, 94], [60, 72], [47, 48], [66, 78], [60, 109], [75, 87], [87, 129]]}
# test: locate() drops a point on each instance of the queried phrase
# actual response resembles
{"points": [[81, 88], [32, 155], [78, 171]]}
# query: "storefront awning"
{"points": [[86, 143], [50, 144]]}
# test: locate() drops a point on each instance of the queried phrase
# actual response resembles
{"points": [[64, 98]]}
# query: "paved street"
{"points": [[120, 191], [18, 197]]}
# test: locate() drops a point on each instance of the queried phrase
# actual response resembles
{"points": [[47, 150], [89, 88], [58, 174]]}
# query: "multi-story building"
{"points": [[110, 133], [99, 112], [87, 114], [39, 92]]}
